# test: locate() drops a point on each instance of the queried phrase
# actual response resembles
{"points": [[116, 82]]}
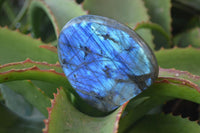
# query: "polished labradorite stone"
{"points": [[106, 62]]}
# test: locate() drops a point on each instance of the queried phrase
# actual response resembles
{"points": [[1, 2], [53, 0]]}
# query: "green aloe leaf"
{"points": [[35, 73], [29, 64], [160, 13], [153, 27], [186, 59], [193, 4], [59, 12], [12, 123], [17, 47], [129, 12], [16, 102], [161, 123], [173, 73], [31, 93], [162, 90], [48, 88], [190, 37], [63, 117]]}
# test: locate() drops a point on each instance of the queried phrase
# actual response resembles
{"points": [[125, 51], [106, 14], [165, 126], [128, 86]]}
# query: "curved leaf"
{"points": [[186, 59], [180, 75], [63, 117], [48, 88], [153, 27], [162, 90], [193, 4], [59, 12], [190, 37], [160, 13], [12, 123], [31, 93], [161, 123], [15, 47], [29, 64]]}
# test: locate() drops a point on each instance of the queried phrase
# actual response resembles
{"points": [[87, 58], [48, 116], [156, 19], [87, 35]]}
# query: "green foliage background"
{"points": [[30, 73]]}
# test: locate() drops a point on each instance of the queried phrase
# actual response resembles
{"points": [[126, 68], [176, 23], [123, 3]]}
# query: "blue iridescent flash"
{"points": [[106, 62]]}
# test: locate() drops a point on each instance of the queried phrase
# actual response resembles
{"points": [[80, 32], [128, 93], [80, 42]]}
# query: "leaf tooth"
{"points": [[29, 34], [6, 27], [190, 46], [45, 129], [17, 30], [82, 7], [49, 109], [181, 116], [138, 24], [175, 47], [39, 39], [162, 80], [34, 68], [28, 60], [162, 48], [57, 63], [49, 47]]}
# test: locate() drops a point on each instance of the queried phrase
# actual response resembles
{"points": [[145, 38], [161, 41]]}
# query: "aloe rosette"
{"points": [[36, 96]]}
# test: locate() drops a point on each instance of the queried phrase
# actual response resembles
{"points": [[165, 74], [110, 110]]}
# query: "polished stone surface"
{"points": [[106, 62]]}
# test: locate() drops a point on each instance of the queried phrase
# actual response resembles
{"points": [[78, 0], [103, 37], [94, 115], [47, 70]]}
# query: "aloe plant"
{"points": [[35, 95]]}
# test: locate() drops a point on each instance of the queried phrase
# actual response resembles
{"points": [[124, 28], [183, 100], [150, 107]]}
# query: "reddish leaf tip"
{"points": [[119, 116]]}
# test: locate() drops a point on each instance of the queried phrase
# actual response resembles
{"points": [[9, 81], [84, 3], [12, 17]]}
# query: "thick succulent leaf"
{"points": [[186, 59], [64, 118], [48, 88], [12, 123], [155, 28], [18, 47], [16, 102], [162, 90], [129, 12], [160, 13], [34, 73], [161, 123], [173, 73], [193, 4], [177, 84], [31, 93], [190, 37], [59, 12], [28, 64], [20, 15]]}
